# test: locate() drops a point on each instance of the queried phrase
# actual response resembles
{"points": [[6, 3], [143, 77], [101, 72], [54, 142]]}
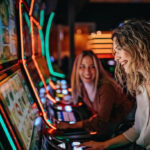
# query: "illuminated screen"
{"points": [[17, 102], [34, 74], [43, 67], [36, 37], [37, 41], [38, 6], [8, 31], [26, 36], [33, 45], [27, 45]]}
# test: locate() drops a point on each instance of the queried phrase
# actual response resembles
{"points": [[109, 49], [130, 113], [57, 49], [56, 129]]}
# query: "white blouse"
{"points": [[140, 132]]}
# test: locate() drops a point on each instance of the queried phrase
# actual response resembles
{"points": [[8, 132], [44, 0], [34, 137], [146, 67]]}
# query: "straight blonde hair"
{"points": [[101, 75]]}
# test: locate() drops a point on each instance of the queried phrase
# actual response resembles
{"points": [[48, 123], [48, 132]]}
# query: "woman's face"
{"points": [[87, 71], [121, 56]]}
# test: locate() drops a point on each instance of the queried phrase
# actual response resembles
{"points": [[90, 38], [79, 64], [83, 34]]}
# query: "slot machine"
{"points": [[27, 114], [20, 121]]}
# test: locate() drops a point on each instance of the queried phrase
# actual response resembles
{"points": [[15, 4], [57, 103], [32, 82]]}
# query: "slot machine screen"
{"points": [[43, 67], [33, 43], [37, 41], [26, 35], [8, 32], [34, 74], [17, 103], [38, 6], [27, 45]]}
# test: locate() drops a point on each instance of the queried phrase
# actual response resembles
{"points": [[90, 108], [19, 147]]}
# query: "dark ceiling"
{"points": [[106, 16]]}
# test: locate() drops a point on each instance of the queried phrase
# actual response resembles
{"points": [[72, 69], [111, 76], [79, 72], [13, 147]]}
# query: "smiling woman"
{"points": [[133, 55], [101, 94], [121, 56], [87, 70]]}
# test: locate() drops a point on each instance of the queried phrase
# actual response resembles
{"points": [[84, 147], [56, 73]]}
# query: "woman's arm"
{"points": [[114, 142], [117, 141], [127, 137], [64, 125]]}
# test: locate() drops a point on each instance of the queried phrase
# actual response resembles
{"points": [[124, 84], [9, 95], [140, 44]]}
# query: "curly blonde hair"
{"points": [[134, 37]]}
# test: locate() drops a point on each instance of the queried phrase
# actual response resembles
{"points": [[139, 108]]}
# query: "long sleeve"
{"points": [[104, 103], [95, 123], [131, 134], [110, 106]]}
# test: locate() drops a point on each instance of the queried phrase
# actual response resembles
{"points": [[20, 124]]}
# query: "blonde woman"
{"points": [[131, 43], [100, 93]]}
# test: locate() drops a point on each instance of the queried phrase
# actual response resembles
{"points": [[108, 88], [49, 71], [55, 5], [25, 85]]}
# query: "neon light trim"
{"points": [[25, 5], [7, 133], [31, 7], [26, 70], [36, 22], [8, 124], [50, 97], [36, 64], [52, 84], [42, 17], [47, 48], [1, 146], [40, 31], [69, 89]]}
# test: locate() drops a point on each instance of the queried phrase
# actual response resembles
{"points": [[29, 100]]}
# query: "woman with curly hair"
{"points": [[102, 95], [131, 44]]}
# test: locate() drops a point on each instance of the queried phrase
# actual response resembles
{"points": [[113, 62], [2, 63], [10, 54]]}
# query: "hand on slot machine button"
{"points": [[62, 125], [93, 145]]}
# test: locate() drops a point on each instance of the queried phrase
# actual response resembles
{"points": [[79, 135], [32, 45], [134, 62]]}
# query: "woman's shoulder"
{"points": [[111, 88], [109, 84]]}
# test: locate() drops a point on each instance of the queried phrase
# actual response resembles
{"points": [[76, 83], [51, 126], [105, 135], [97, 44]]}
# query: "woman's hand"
{"points": [[63, 125], [94, 145], [115, 142]]}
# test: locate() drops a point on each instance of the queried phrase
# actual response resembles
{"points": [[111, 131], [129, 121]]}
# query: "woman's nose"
{"points": [[87, 70], [117, 57]]}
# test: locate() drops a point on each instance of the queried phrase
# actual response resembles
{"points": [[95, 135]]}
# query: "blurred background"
{"points": [[87, 24], [39, 40]]}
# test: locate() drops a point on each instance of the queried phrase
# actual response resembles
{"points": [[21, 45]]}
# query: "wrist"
{"points": [[107, 144], [78, 124]]}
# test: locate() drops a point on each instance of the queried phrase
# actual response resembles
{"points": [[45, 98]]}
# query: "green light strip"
{"points": [[27, 21], [41, 84], [47, 48], [41, 32], [1, 146], [7, 133], [47, 82], [42, 17]]}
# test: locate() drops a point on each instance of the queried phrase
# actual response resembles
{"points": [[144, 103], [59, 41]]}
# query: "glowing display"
{"points": [[17, 102], [8, 32]]}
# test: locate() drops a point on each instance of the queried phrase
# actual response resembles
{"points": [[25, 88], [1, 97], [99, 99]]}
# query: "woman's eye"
{"points": [[82, 67], [92, 67]]}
